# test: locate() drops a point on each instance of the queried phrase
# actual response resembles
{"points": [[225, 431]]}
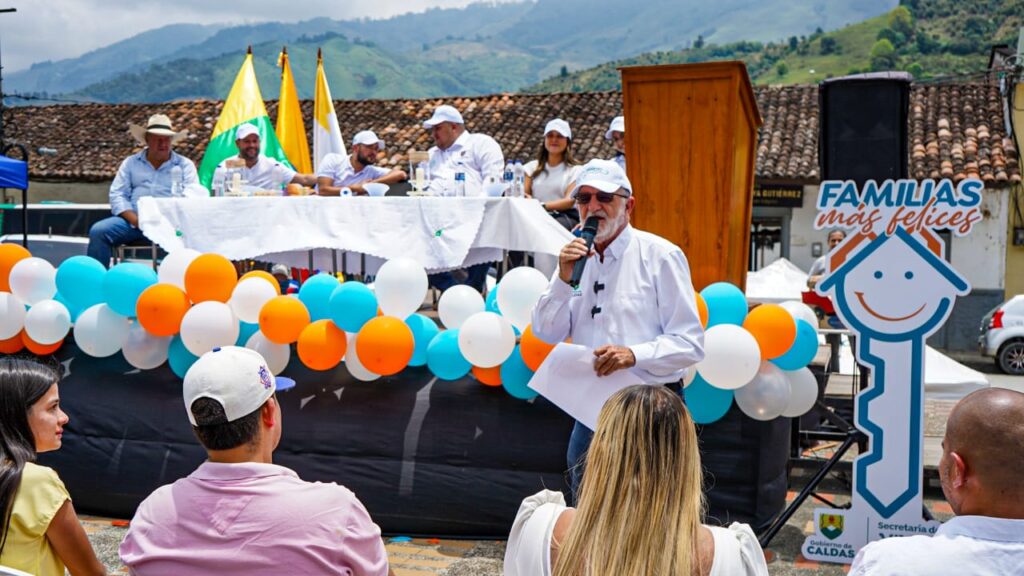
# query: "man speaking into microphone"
{"points": [[634, 302]]}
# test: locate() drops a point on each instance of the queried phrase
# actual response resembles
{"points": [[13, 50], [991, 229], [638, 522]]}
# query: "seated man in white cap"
{"points": [[477, 156], [617, 134], [239, 513], [150, 172], [338, 172], [456, 151], [256, 169]]}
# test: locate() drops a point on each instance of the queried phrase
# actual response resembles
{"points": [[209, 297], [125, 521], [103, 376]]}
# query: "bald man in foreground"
{"points": [[982, 474]]}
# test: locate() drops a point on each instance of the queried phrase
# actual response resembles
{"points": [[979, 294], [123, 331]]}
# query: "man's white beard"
{"points": [[607, 229]]}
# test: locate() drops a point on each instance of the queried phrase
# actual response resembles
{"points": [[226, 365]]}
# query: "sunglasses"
{"points": [[602, 197]]}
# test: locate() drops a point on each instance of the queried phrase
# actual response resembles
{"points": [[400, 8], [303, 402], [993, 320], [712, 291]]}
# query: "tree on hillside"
{"points": [[781, 68], [699, 42], [883, 56], [793, 42], [902, 21], [828, 45], [895, 38]]}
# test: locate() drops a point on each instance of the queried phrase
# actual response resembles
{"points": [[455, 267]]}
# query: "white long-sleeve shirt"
{"points": [[645, 301], [476, 155]]}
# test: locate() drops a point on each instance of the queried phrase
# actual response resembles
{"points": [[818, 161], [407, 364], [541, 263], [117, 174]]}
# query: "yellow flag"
{"points": [[291, 131]]}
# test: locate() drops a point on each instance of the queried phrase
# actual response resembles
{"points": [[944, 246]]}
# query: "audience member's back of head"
{"points": [[215, 432], [985, 442], [640, 500]]}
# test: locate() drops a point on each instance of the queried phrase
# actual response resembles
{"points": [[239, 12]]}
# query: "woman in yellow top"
{"points": [[40, 533]]}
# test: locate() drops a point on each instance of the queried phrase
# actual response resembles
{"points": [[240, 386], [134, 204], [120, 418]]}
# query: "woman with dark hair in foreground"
{"points": [[640, 504], [40, 533]]}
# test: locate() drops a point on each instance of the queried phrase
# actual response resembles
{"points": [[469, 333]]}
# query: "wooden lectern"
{"points": [[691, 137]]}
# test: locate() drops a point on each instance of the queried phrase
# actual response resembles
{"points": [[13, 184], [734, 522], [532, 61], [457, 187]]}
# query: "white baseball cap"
{"points": [[618, 125], [280, 269], [444, 113], [246, 130], [605, 175], [560, 126], [368, 138], [237, 378]]}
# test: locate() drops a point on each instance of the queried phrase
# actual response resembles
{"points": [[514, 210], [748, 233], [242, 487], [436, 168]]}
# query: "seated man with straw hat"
{"points": [[155, 171]]}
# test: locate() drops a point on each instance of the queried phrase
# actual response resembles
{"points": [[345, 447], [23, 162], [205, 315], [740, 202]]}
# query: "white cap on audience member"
{"points": [[237, 378], [618, 125], [560, 126], [280, 269], [246, 130], [605, 175], [368, 138], [443, 113]]}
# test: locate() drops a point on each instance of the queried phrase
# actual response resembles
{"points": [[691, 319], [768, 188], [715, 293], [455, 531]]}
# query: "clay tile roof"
{"points": [[955, 130]]}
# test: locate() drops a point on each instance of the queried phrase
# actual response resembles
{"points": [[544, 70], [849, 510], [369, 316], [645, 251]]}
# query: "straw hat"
{"points": [[157, 124]]}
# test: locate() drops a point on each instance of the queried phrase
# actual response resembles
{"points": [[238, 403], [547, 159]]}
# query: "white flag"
{"points": [[326, 133]]}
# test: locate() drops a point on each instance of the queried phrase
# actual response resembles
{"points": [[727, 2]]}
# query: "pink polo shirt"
{"points": [[252, 519]]}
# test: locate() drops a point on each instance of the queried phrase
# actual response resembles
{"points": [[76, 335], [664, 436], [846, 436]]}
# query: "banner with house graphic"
{"points": [[892, 286]]}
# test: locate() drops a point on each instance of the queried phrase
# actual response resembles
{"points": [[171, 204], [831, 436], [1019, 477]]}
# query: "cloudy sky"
{"points": [[55, 29]]}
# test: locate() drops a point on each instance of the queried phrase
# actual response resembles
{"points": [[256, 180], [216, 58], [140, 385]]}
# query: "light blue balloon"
{"points": [[803, 350], [726, 304], [316, 294], [245, 331], [80, 281], [423, 332], [444, 359], [515, 375], [123, 283], [705, 402], [72, 309], [179, 357], [351, 305], [491, 302]]}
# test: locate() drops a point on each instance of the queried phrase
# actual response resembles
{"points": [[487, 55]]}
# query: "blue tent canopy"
{"points": [[13, 173]]}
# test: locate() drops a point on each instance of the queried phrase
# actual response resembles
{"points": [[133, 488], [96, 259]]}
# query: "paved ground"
{"points": [[428, 557]]}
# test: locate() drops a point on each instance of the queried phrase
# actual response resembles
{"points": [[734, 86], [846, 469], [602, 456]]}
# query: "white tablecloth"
{"points": [[440, 233]]}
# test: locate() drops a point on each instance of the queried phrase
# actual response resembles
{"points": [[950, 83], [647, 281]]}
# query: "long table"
{"points": [[440, 233]]}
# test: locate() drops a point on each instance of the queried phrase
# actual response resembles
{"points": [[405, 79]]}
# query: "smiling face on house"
{"points": [[895, 291]]}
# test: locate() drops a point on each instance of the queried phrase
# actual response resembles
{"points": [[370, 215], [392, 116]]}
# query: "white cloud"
{"points": [[56, 29]]}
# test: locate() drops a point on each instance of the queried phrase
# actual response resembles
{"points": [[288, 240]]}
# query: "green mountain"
{"points": [[928, 38], [482, 48]]}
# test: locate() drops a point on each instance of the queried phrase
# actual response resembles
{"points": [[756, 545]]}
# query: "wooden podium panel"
{"points": [[691, 133]]}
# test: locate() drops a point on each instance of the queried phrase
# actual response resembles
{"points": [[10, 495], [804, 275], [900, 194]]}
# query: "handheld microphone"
{"points": [[588, 233]]}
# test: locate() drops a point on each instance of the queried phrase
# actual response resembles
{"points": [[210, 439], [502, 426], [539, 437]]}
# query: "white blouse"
{"points": [[737, 552], [551, 184]]}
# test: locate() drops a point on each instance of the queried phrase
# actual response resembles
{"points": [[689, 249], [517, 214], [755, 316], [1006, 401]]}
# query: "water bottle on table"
{"points": [[508, 178], [177, 182], [460, 183], [520, 179]]}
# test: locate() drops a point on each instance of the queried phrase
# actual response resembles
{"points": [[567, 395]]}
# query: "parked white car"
{"points": [[1002, 335]]}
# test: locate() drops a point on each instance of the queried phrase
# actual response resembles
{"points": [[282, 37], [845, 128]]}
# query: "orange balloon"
{"points": [[262, 274], [12, 345], [322, 345], [160, 309], [385, 345], [283, 318], [37, 348], [533, 349], [773, 328], [488, 376], [702, 310], [210, 277], [10, 254]]}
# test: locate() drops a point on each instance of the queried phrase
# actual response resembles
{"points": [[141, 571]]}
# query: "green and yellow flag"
{"points": [[244, 105], [291, 130]]}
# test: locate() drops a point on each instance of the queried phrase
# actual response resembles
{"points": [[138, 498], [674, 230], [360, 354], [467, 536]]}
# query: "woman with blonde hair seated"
{"points": [[640, 504]]}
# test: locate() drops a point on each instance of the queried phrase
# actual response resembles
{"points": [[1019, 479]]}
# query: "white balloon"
{"points": [[801, 311], [731, 357], [486, 339], [100, 332], [689, 376], [276, 355], [766, 396], [12, 315], [33, 280], [458, 303], [401, 286], [803, 392], [208, 325], [172, 268], [354, 364], [143, 350], [48, 322], [518, 293], [249, 296]]}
